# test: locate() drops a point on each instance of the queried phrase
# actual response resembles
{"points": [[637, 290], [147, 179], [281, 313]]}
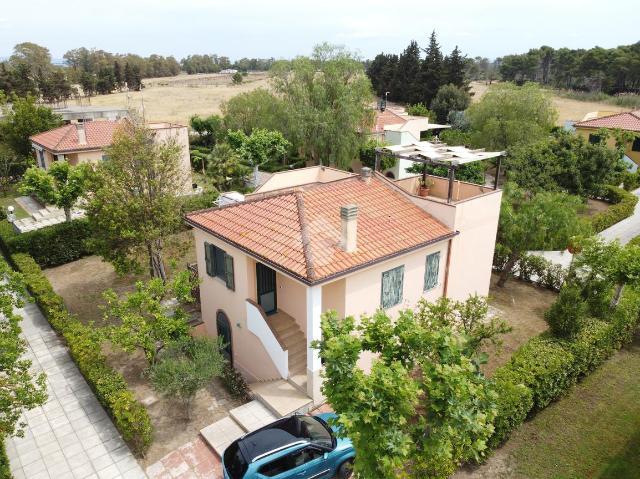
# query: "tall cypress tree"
{"points": [[117, 74], [454, 69], [405, 85], [432, 71]]}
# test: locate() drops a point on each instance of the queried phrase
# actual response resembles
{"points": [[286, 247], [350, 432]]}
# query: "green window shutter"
{"points": [[431, 271], [208, 258], [228, 269], [219, 263], [392, 286]]}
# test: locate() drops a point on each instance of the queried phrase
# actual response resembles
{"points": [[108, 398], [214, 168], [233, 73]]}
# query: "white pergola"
{"points": [[438, 153]]}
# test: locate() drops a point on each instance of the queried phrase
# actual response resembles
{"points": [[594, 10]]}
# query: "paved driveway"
{"points": [[626, 229], [71, 436]]}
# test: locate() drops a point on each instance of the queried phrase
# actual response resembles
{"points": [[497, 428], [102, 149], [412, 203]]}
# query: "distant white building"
{"points": [[229, 71]]}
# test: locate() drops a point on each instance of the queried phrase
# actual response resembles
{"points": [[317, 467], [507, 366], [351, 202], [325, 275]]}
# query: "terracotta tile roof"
{"points": [[65, 138], [629, 120], [299, 230], [386, 118]]}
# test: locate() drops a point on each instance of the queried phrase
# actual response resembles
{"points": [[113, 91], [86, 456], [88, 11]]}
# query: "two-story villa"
{"points": [[319, 239], [85, 142]]}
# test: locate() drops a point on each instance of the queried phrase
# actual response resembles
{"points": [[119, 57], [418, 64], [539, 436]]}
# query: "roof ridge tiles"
{"points": [[304, 233]]}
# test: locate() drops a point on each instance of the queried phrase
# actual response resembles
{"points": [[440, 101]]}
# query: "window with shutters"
{"points": [[431, 269], [392, 284], [219, 264]]}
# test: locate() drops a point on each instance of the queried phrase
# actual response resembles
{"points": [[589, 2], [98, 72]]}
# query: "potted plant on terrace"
{"points": [[425, 186]]}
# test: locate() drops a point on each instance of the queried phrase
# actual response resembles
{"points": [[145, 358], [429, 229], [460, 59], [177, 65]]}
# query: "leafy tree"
{"points": [[471, 172], [449, 98], [564, 162], [185, 367], [619, 265], [143, 320], [210, 129], [419, 109], [224, 167], [20, 389], [106, 81], [327, 99], [259, 108], [32, 57], [89, 84], [118, 75], [508, 115], [133, 206], [10, 166], [61, 185], [543, 221], [368, 156], [381, 72], [424, 407], [23, 119], [259, 147], [237, 78]]}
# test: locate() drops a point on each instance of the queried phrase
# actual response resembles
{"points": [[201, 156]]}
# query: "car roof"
{"points": [[265, 442]]}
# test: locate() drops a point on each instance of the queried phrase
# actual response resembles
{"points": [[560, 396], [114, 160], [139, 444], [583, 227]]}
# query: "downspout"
{"points": [[446, 270]]}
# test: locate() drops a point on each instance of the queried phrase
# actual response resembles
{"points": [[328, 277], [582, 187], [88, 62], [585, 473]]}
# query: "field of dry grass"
{"points": [[567, 109], [177, 98]]}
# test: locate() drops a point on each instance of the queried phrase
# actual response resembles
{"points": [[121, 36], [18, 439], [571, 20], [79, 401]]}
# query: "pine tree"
{"points": [[405, 86], [454, 69], [431, 72], [117, 74]]}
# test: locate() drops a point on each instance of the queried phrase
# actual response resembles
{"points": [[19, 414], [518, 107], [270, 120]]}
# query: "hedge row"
{"points": [[544, 368], [50, 246], [5, 472], [129, 416], [547, 273], [624, 204]]}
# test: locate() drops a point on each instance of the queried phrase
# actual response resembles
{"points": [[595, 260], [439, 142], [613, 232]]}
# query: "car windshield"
{"points": [[314, 430], [234, 461]]}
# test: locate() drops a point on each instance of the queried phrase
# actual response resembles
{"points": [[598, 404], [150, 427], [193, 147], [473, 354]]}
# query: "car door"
{"points": [[305, 463]]}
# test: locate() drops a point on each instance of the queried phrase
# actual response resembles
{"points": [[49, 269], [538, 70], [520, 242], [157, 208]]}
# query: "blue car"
{"points": [[301, 447]]}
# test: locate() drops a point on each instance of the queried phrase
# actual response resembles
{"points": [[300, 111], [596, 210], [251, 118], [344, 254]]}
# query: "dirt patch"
{"points": [[171, 428], [82, 282], [522, 306], [595, 206], [178, 98]]}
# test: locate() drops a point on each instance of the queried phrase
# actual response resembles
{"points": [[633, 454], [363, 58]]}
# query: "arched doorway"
{"points": [[224, 331]]}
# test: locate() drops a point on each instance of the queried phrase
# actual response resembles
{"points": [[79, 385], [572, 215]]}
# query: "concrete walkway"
{"points": [[627, 229], [71, 436]]}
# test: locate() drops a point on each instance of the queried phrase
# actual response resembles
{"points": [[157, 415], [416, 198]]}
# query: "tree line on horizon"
{"points": [[30, 71], [608, 70]]}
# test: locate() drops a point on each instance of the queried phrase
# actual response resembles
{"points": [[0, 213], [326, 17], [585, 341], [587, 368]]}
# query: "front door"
{"points": [[266, 282], [224, 332]]}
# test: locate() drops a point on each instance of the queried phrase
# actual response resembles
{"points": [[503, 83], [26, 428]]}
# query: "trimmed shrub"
{"points": [[591, 347], [549, 275], [84, 342], [623, 206], [514, 402], [235, 383], [198, 202], [566, 315], [50, 246], [5, 472], [542, 365]]}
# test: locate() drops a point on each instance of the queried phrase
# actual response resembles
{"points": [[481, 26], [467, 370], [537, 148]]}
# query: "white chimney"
{"points": [[82, 136], [349, 217], [365, 174]]}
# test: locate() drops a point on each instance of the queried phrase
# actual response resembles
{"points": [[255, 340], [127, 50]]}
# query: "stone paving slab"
{"points": [[71, 436], [222, 433], [193, 460], [252, 416]]}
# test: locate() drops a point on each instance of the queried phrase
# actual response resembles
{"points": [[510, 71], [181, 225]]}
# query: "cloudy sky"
{"points": [[285, 28]]}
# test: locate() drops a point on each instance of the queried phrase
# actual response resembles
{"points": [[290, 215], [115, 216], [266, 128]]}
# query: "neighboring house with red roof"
{"points": [[396, 128], [627, 121], [86, 143], [318, 239]]}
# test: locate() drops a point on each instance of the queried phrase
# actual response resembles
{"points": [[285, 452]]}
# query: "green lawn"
{"points": [[592, 433], [8, 200]]}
